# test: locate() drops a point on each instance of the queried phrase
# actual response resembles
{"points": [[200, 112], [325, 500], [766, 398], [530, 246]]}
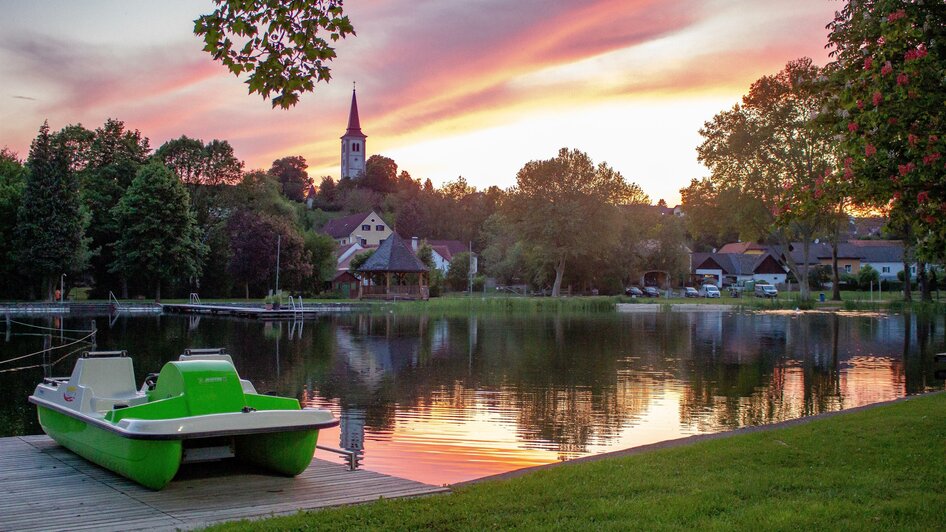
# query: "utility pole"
{"points": [[278, 244]]}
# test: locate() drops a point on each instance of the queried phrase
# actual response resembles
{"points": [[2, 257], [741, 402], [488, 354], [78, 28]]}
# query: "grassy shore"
{"points": [[879, 469]]}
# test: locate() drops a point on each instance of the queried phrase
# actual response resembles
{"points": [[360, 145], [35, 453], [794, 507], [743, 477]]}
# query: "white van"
{"points": [[709, 290], [765, 290]]}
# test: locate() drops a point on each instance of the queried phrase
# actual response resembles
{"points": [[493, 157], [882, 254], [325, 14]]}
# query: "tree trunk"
{"points": [[559, 273], [124, 287], [803, 288], [246, 290], [157, 291], [922, 278], [48, 283], [835, 274], [907, 289]]}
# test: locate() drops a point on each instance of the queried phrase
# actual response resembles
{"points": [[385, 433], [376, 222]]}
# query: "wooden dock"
{"points": [[46, 487], [309, 311]]}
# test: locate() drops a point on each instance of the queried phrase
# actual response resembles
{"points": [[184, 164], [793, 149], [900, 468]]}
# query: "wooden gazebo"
{"points": [[394, 272]]}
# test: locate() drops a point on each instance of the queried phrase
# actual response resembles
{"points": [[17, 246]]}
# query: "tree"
{"points": [[321, 254], [158, 237], [889, 59], [380, 175], [712, 214], [459, 272], [566, 207], [198, 164], [12, 184], [109, 159], [50, 223], [779, 157], [279, 44], [292, 176], [254, 241], [868, 277]]}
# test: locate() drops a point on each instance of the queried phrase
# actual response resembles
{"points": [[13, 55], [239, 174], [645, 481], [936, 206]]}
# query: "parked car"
{"points": [[765, 290], [690, 292], [709, 290], [634, 291], [651, 291]]}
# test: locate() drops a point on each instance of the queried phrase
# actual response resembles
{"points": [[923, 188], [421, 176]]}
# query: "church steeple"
{"points": [[353, 143], [354, 124]]}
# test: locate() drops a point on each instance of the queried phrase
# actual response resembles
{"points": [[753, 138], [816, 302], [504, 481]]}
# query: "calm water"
{"points": [[447, 399]]}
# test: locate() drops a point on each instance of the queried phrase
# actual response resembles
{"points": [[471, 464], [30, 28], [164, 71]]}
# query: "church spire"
{"points": [[353, 143], [354, 124]]}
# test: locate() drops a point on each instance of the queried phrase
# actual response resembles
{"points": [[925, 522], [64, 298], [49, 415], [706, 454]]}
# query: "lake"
{"points": [[445, 399]]}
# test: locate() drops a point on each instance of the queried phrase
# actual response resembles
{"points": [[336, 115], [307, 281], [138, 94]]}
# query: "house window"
{"points": [[847, 268], [364, 242], [912, 269], [379, 228], [885, 269], [366, 227]]}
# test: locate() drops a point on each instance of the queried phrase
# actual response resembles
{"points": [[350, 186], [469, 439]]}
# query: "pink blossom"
{"points": [[896, 196], [922, 197], [870, 150], [895, 179], [868, 63], [902, 79], [848, 174], [848, 161], [929, 218], [905, 169], [912, 55], [896, 15], [878, 97], [911, 138], [886, 69], [931, 158], [860, 104], [852, 127], [934, 138], [892, 121]]}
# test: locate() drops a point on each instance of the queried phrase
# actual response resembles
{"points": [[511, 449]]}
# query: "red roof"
{"points": [[342, 227], [452, 246], [354, 124], [742, 247]]}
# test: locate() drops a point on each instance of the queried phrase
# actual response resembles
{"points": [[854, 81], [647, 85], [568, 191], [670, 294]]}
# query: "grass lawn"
{"points": [[879, 469]]}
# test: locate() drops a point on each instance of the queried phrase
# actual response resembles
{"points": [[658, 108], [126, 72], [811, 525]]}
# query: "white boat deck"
{"points": [[46, 487]]}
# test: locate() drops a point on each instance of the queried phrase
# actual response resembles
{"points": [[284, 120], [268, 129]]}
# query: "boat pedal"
{"points": [[248, 409]]}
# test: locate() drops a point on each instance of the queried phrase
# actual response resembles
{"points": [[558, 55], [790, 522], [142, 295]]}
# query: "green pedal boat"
{"points": [[197, 409]]}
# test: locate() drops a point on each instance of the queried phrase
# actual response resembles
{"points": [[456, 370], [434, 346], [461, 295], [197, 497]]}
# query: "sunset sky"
{"points": [[445, 88]]}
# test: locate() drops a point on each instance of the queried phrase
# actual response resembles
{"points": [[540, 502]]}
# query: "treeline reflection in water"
{"points": [[444, 399]]}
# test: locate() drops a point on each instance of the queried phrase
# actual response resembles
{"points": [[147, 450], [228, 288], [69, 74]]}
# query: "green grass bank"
{"points": [[882, 468]]}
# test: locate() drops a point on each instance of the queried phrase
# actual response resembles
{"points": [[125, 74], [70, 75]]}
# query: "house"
{"points": [[885, 256], [443, 252], [732, 268], [363, 228]]}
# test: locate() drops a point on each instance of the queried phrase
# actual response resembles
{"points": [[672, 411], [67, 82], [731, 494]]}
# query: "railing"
{"points": [[394, 290], [350, 456], [114, 300], [193, 299]]}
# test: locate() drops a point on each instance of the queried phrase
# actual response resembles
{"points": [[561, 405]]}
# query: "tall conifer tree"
{"points": [[50, 221]]}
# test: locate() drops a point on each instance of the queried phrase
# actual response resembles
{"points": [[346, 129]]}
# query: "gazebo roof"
{"points": [[393, 255]]}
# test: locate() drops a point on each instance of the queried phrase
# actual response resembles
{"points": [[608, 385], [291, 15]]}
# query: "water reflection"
{"points": [[446, 399]]}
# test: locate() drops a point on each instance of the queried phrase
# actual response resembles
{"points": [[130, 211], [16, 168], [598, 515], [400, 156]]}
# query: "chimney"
{"points": [[414, 243]]}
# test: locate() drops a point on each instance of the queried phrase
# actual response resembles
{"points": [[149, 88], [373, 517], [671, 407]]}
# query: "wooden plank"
{"points": [[43, 484]]}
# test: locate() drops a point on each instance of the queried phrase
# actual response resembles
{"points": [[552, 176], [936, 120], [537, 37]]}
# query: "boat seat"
{"points": [[245, 384], [111, 381]]}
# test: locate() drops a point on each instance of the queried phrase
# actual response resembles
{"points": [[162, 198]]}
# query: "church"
{"points": [[353, 144]]}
